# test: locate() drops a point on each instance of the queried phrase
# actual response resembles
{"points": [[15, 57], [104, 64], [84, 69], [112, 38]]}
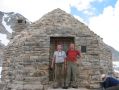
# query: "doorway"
{"points": [[65, 41]]}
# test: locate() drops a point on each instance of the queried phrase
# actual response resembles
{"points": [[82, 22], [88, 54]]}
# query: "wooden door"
{"points": [[54, 41]]}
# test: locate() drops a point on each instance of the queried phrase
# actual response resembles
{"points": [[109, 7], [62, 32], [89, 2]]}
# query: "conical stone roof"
{"points": [[59, 17], [56, 19]]}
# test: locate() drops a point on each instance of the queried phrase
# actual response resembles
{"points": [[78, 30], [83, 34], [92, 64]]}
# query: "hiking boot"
{"points": [[65, 87], [74, 86]]}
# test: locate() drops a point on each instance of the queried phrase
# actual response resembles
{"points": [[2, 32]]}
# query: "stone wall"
{"points": [[26, 64]]}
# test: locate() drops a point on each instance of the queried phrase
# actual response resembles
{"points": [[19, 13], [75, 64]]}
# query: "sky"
{"points": [[101, 16]]}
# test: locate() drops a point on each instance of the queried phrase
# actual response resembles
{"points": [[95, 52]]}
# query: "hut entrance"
{"points": [[65, 41]]}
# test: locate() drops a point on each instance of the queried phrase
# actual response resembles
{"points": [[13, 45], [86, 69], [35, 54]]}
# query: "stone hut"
{"points": [[28, 55]]}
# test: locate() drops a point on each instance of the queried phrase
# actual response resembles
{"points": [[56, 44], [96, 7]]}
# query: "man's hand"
{"points": [[77, 62], [52, 66]]}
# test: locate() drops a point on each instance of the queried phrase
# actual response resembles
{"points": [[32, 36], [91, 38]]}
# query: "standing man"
{"points": [[72, 55], [59, 63]]}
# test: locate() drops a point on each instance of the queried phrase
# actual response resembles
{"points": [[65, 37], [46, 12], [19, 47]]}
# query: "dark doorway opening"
{"points": [[65, 41]]}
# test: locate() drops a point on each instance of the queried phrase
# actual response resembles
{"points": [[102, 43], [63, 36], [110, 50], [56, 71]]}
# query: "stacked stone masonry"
{"points": [[26, 63]]}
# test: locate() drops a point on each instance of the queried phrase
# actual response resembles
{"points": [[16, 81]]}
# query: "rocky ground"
{"points": [[73, 89], [70, 89]]}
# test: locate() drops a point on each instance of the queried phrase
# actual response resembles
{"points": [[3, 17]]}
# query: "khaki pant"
{"points": [[59, 75], [71, 77]]}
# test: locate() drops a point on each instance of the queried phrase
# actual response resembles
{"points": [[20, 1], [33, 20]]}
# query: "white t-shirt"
{"points": [[59, 56]]}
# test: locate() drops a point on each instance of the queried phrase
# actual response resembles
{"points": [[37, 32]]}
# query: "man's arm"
{"points": [[107, 81], [79, 59], [79, 53], [102, 85]]}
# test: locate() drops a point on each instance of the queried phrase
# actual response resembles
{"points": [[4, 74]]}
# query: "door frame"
{"points": [[54, 40]]}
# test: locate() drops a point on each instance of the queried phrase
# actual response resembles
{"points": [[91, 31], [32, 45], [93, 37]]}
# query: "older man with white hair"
{"points": [[59, 63], [109, 83]]}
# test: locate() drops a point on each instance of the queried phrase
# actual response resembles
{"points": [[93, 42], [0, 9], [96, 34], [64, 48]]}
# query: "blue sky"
{"points": [[96, 9], [101, 16], [100, 6]]}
